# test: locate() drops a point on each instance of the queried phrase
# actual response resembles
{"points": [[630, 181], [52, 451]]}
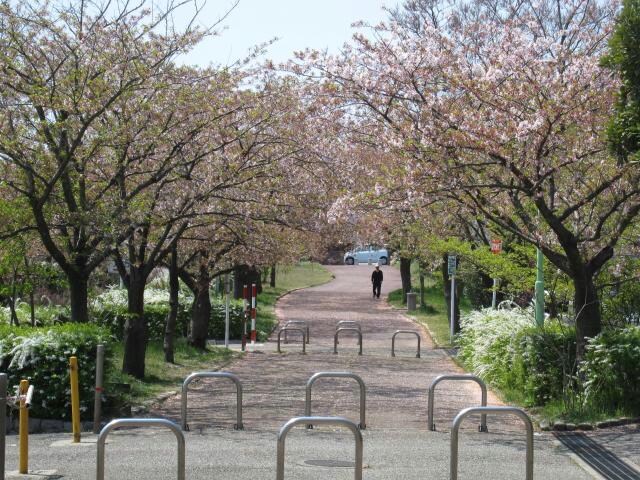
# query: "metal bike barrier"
{"points": [[293, 329], [453, 467], [363, 393], [349, 323], [468, 378], [393, 341], [339, 421], [347, 329], [140, 422], [3, 419], [296, 323], [193, 376]]}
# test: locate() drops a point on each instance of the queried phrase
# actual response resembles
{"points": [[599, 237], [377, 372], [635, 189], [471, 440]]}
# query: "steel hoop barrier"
{"points": [[349, 323], [3, 420], [347, 329], [185, 386], [140, 422], [453, 467], [293, 329], [363, 393], [293, 323], [339, 421], [470, 378], [393, 341]]}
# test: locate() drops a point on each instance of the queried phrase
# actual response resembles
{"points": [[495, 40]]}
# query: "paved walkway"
{"points": [[397, 443]]}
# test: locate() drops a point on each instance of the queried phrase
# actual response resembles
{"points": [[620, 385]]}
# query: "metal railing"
{"points": [[468, 378], [293, 329], [195, 375], [453, 467], [3, 419], [363, 393], [296, 323], [140, 422], [349, 323], [347, 329], [393, 341], [339, 421]]}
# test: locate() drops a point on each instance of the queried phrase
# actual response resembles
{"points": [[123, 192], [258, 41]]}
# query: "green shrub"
{"points": [[41, 355], [611, 369], [508, 351], [110, 310]]}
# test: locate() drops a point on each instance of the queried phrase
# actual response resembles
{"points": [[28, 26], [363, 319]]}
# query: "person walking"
{"points": [[376, 280]]}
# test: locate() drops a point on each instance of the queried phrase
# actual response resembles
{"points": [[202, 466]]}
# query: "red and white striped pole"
{"points": [[254, 294], [245, 298]]}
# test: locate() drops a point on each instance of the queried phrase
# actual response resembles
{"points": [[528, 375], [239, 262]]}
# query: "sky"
{"points": [[297, 24]]}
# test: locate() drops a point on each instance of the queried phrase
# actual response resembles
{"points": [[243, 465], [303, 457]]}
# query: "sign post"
{"points": [[451, 267], [496, 249], [227, 290]]}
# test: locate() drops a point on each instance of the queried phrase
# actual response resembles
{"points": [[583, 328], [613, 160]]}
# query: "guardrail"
{"points": [[393, 341], [453, 467], [3, 419], [296, 329], [349, 323], [467, 378], [195, 375], [363, 394], [140, 422], [347, 329], [339, 421], [298, 323]]}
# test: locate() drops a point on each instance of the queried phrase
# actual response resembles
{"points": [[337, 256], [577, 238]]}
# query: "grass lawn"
{"points": [[288, 277], [434, 314], [161, 377]]}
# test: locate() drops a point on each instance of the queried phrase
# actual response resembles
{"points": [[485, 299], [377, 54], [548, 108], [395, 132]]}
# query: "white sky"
{"points": [[298, 24]]}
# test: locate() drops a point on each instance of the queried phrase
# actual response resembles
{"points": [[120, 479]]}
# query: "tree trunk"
{"points": [[272, 278], [446, 281], [201, 311], [135, 328], [32, 307], [78, 292], [172, 318], [587, 308], [405, 275], [422, 301]]}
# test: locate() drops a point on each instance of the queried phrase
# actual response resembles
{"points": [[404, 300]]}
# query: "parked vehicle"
{"points": [[368, 254]]}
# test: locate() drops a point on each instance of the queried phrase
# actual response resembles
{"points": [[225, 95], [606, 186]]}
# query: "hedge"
{"points": [[41, 355]]}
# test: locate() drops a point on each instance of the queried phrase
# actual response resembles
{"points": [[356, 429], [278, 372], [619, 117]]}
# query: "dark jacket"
{"points": [[376, 277]]}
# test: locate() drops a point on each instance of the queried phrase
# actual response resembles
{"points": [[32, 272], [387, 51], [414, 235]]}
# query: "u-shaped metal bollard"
{"points": [[339, 421], [192, 377], [293, 329], [363, 393], [393, 341], [140, 422], [296, 323], [3, 419], [347, 329], [453, 467], [349, 323], [469, 378]]}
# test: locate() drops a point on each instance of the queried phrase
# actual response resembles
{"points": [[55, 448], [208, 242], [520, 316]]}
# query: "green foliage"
{"points": [[508, 351], [620, 293], [624, 56], [612, 369], [41, 355], [110, 310]]}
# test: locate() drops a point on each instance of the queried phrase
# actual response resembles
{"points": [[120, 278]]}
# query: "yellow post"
{"points": [[24, 428], [75, 399]]}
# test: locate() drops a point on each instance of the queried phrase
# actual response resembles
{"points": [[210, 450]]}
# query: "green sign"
{"points": [[452, 264]]}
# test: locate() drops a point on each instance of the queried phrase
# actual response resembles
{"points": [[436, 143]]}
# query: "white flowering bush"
{"points": [[509, 351], [41, 355], [44, 315]]}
